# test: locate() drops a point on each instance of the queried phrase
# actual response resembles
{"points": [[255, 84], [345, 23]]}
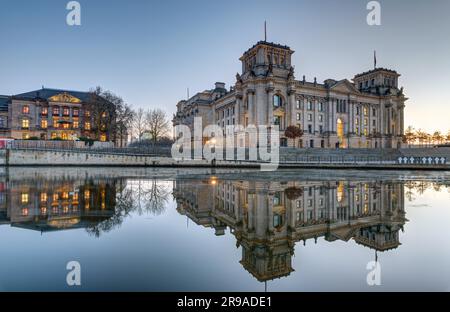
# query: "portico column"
{"points": [[270, 95]]}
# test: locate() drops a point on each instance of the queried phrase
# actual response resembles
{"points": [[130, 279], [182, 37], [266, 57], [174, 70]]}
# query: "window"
{"points": [[310, 129], [87, 113], [66, 125], [309, 117], [311, 144], [297, 104], [366, 122], [320, 118], [44, 124], [43, 197], [66, 111], [277, 101], [87, 126], [44, 111], [358, 110], [76, 112], [24, 198], [321, 129], [104, 115], [64, 136], [310, 105], [374, 123], [366, 111], [374, 112], [103, 137], [299, 116], [25, 109], [76, 124], [55, 110], [55, 123], [25, 136], [277, 120], [320, 107], [373, 82], [25, 123], [53, 135]]}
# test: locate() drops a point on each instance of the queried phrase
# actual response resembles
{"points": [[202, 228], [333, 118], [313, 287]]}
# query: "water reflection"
{"points": [[269, 218]]}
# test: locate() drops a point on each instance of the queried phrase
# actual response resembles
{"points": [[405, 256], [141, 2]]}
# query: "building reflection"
{"points": [[53, 205], [269, 218]]}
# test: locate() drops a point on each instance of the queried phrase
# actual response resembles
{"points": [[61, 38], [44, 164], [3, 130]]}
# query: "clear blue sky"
{"points": [[149, 52]]}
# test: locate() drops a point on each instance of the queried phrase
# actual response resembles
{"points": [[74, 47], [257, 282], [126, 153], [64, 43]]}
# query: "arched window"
{"points": [[277, 101]]}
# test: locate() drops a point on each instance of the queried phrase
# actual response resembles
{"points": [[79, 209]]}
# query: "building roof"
{"points": [[46, 93], [379, 69], [275, 45]]}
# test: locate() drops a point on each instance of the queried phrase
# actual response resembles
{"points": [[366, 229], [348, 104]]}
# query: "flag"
{"points": [[375, 59]]}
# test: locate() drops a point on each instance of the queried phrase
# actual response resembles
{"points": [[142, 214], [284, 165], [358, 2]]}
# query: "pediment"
{"points": [[64, 98], [344, 86]]}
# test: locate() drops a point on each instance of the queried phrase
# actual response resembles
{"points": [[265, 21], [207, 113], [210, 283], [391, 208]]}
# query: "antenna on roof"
{"points": [[188, 93], [42, 87], [265, 31]]}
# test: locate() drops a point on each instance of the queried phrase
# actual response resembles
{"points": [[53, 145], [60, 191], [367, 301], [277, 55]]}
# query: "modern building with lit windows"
{"points": [[53, 114], [367, 112]]}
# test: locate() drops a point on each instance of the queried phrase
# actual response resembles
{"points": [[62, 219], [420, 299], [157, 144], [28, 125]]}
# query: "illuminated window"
{"points": [[55, 197], [66, 111], [44, 124], [65, 195], [43, 211], [25, 136], [25, 123], [53, 135], [75, 125], [103, 137], [66, 125], [366, 132], [25, 212], [87, 194], [44, 197], [366, 111], [75, 196], [104, 115], [25, 109], [299, 116], [87, 113], [87, 125], [75, 112], [24, 198], [55, 110], [55, 123], [341, 192], [44, 110], [64, 136], [366, 122]]}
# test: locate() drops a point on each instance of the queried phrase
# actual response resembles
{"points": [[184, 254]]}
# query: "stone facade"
{"points": [[367, 112], [49, 114]]}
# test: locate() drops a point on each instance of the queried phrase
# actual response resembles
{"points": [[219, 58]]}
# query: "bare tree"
{"points": [[158, 124], [140, 123]]}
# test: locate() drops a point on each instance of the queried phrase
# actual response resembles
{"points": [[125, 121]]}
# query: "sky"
{"points": [[150, 51]]}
